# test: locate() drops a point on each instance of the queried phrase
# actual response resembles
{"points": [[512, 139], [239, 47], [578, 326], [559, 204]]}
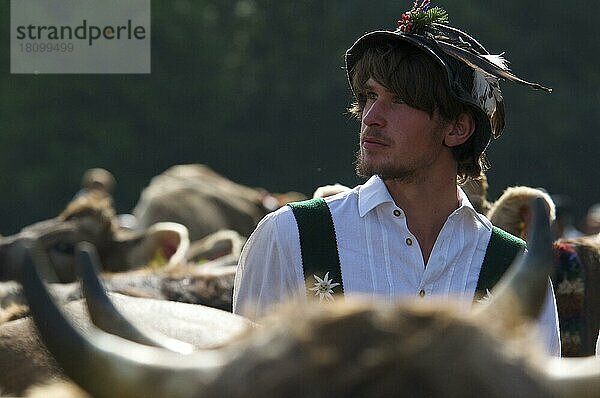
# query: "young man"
{"points": [[428, 99]]}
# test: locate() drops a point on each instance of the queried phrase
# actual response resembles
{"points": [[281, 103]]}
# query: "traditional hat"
{"points": [[473, 73]]}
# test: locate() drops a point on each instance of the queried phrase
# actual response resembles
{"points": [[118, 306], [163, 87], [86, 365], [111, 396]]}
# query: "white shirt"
{"points": [[379, 256]]}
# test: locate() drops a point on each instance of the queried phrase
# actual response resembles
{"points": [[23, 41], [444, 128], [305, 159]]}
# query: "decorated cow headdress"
{"points": [[473, 73]]}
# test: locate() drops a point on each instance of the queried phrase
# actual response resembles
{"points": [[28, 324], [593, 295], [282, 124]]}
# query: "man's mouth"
{"points": [[373, 143]]}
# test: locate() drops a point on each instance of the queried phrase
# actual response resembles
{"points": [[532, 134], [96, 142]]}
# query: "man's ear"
{"points": [[463, 128]]}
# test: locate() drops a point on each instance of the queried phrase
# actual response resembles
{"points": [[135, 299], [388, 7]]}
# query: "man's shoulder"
{"points": [[339, 203], [284, 221], [276, 218]]}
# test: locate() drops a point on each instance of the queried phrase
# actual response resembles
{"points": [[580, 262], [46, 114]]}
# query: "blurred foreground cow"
{"points": [[348, 348], [91, 218], [205, 202], [24, 362]]}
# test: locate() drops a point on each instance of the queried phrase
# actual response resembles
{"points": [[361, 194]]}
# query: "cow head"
{"points": [[92, 218]]}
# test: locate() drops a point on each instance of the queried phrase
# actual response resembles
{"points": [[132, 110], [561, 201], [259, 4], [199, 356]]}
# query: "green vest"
{"points": [[318, 247]]}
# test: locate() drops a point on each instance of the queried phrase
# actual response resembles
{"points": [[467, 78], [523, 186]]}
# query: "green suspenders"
{"points": [[501, 251], [319, 251], [318, 244]]}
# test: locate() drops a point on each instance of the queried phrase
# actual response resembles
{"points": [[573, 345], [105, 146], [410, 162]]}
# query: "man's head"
{"points": [[420, 82], [439, 70]]}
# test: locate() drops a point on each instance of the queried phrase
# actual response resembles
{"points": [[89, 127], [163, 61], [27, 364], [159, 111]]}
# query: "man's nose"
{"points": [[374, 115]]}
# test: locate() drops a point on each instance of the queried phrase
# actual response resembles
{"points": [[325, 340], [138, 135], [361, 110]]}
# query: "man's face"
{"points": [[396, 140]]}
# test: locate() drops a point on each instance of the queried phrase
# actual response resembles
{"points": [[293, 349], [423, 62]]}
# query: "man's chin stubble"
{"points": [[364, 170]]}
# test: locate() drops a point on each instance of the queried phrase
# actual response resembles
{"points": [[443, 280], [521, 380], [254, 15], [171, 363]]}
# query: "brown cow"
{"points": [[512, 210], [205, 202], [348, 348], [91, 217], [25, 362]]}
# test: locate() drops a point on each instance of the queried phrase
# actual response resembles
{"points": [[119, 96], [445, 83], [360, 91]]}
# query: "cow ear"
{"points": [[164, 244]]}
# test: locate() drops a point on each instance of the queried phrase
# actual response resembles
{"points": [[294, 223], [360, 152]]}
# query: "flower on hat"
{"points": [[421, 16], [324, 287]]}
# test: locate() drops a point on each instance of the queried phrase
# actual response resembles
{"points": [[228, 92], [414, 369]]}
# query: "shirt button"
{"points": [[397, 213], [422, 293], [409, 241]]}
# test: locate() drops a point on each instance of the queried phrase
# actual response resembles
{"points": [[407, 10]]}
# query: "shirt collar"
{"points": [[371, 194], [374, 193], [465, 206]]}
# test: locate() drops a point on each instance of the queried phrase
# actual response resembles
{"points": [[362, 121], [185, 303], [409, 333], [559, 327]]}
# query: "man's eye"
{"points": [[398, 100]]}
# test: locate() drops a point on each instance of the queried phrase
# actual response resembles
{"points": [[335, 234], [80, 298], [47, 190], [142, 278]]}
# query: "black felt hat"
{"points": [[473, 73]]}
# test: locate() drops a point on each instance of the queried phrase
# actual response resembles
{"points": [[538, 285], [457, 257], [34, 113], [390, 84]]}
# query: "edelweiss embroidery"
{"points": [[324, 287]]}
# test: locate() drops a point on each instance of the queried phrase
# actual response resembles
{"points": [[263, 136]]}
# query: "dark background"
{"points": [[256, 90]]}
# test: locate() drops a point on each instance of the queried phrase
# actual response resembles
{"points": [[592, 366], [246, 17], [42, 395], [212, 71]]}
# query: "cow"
{"points": [[575, 275], [345, 348], [210, 284], [24, 362], [90, 217], [512, 210], [202, 274], [205, 202]]}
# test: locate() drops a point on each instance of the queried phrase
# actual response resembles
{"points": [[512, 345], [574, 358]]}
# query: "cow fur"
{"points": [[510, 211], [24, 361], [205, 202], [360, 349]]}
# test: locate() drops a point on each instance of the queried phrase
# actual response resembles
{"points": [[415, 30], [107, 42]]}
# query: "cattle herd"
{"points": [[92, 307]]}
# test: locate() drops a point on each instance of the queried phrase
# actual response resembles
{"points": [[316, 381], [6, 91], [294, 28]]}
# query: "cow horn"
{"points": [[522, 289], [106, 316], [119, 368]]}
